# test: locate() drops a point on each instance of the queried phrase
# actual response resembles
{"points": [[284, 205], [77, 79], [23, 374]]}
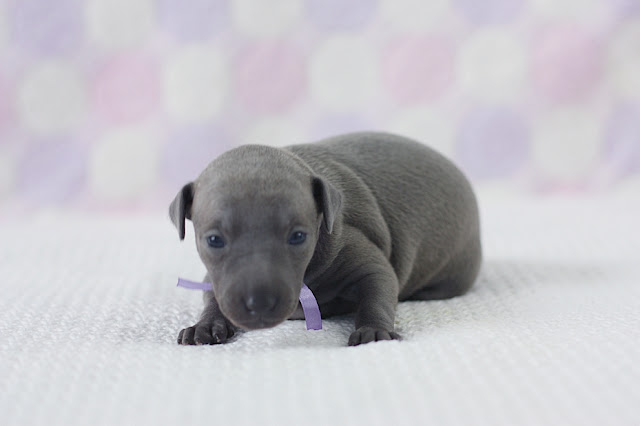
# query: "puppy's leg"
{"points": [[456, 278], [376, 286], [212, 328]]}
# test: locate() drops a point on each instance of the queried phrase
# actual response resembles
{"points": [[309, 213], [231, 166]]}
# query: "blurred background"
{"points": [[112, 105]]}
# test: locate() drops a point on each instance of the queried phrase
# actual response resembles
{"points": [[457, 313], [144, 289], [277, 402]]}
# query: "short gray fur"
{"points": [[386, 219]]}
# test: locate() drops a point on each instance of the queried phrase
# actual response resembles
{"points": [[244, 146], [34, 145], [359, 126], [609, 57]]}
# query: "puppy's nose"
{"points": [[260, 302]]}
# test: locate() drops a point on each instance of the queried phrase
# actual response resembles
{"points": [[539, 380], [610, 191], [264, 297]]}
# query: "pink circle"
{"points": [[270, 77], [418, 68], [127, 88], [567, 63]]}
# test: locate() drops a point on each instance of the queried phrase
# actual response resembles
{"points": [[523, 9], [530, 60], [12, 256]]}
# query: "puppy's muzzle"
{"points": [[260, 303], [259, 306]]}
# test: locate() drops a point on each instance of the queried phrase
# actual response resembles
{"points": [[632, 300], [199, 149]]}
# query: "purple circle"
{"points": [[492, 142], [192, 20], [189, 150], [341, 15], [5, 109], [332, 125], [622, 139], [627, 8], [490, 12], [51, 171], [49, 27]]}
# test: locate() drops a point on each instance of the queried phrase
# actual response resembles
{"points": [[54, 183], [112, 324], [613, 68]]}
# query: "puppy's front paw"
{"points": [[370, 334], [206, 333]]}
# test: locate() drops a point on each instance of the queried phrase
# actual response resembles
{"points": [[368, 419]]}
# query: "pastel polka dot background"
{"points": [[114, 104]]}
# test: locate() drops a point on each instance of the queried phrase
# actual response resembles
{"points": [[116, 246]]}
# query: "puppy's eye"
{"points": [[297, 237], [215, 241]]}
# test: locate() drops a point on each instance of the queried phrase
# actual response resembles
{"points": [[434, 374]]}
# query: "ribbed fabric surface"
{"points": [[89, 314]]}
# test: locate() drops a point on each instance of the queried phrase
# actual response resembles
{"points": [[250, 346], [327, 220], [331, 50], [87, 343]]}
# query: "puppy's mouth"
{"points": [[257, 323], [258, 320]]}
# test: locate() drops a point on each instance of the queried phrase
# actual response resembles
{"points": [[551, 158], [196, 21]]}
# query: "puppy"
{"points": [[365, 220]]}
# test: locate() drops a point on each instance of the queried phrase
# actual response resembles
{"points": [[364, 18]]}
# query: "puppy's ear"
{"points": [[180, 208], [328, 199]]}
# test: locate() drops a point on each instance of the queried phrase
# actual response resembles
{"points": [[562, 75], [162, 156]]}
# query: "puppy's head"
{"points": [[257, 213]]}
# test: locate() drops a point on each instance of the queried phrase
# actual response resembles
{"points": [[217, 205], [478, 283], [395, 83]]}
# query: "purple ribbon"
{"points": [[307, 300], [310, 308], [192, 285]]}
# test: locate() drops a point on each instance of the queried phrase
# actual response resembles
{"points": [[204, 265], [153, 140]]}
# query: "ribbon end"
{"points": [[192, 285], [310, 308]]}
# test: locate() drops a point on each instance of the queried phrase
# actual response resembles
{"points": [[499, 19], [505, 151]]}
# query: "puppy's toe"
{"points": [[186, 336], [222, 331], [386, 335], [206, 334], [369, 334]]}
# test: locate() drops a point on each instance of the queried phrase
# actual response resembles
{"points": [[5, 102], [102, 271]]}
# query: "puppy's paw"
{"points": [[206, 333], [370, 334]]}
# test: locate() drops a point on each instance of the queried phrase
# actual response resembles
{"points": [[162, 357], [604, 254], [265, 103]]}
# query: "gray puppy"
{"points": [[364, 219]]}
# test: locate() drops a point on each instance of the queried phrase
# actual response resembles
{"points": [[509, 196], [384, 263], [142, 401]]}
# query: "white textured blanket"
{"points": [[89, 313]]}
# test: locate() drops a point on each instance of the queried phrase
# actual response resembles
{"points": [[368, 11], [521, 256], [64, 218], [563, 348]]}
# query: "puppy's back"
{"points": [[427, 203]]}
